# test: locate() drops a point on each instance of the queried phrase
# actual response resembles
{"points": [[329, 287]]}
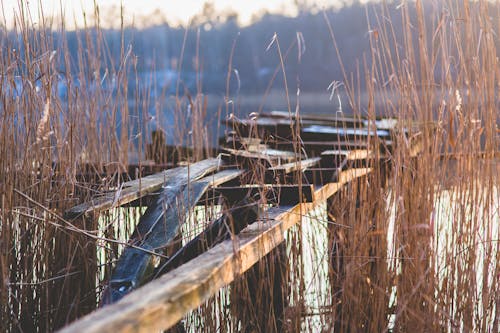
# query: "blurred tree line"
{"points": [[200, 55]]}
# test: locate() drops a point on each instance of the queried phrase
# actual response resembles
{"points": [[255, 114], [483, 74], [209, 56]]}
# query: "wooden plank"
{"points": [[222, 177], [269, 157], [234, 219], [329, 133], [315, 116], [315, 147], [330, 128], [384, 123], [345, 158], [296, 166], [214, 180], [135, 189], [266, 153], [352, 155], [289, 172], [282, 124], [156, 229], [161, 303]]}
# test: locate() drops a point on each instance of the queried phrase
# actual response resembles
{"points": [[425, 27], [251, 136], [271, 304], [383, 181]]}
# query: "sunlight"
{"points": [[174, 12]]}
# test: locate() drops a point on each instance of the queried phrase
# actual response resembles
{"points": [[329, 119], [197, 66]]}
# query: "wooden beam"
{"points": [[289, 172], [296, 166], [316, 147], [135, 189], [320, 117], [161, 303], [346, 158], [328, 133], [214, 180], [272, 155], [351, 155]]}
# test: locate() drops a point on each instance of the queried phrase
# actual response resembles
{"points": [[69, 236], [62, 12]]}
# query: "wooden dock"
{"points": [[270, 172]]}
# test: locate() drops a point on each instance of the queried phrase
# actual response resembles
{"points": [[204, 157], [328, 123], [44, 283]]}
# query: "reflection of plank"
{"points": [[162, 302], [159, 225], [138, 188]]}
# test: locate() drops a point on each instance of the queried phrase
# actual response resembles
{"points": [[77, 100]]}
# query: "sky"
{"points": [[175, 11]]}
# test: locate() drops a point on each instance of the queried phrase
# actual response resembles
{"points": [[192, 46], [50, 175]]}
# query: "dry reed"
{"points": [[414, 249]]}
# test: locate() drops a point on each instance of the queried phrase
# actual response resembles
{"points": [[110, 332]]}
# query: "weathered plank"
{"points": [[289, 172], [214, 180], [269, 157], [352, 155], [235, 219], [329, 133], [161, 303], [296, 166], [157, 228], [380, 122], [346, 158], [315, 147], [280, 124], [307, 119], [135, 189]]}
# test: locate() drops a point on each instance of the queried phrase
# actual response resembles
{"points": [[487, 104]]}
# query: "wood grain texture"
{"points": [[161, 303], [157, 228], [295, 166], [135, 189]]}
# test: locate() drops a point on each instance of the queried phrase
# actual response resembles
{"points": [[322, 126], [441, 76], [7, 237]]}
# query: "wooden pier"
{"points": [[270, 172]]}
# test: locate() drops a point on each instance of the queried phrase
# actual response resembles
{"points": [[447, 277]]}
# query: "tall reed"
{"points": [[69, 128], [440, 210], [415, 249]]}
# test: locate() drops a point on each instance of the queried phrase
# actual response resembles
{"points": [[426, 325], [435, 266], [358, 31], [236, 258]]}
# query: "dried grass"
{"points": [[415, 249]]}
